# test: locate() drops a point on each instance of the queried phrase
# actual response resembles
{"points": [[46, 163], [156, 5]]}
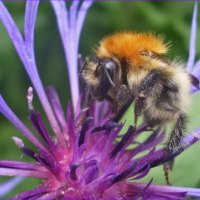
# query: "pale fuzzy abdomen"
{"points": [[180, 99], [158, 116], [182, 80]]}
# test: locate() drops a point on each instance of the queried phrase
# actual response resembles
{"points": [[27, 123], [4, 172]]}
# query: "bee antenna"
{"points": [[108, 76]]}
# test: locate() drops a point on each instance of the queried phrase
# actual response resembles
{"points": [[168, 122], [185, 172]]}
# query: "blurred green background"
{"points": [[172, 19]]}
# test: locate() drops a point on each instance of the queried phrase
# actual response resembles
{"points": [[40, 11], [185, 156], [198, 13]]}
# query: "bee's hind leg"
{"points": [[173, 143]]}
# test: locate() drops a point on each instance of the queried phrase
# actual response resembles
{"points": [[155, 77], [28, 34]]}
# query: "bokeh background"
{"points": [[171, 19]]}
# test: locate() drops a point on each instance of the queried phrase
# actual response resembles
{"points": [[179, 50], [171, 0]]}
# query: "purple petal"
{"points": [[101, 111], [38, 124], [73, 14], [124, 142], [70, 29], [29, 62], [24, 173], [47, 161], [168, 189], [125, 173], [91, 173], [22, 165], [71, 55], [30, 18], [37, 192], [148, 191], [108, 144], [8, 186], [70, 125], [191, 138], [192, 49], [148, 144], [144, 172], [196, 69], [81, 17], [102, 183], [8, 113], [12, 30], [84, 129], [56, 106]]}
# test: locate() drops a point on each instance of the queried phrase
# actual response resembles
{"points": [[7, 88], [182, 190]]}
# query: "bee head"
{"points": [[99, 74]]}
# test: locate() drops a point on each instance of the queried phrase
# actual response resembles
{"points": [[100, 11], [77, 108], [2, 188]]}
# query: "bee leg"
{"points": [[139, 105], [148, 83], [122, 95], [174, 143], [166, 173], [122, 101], [146, 87]]}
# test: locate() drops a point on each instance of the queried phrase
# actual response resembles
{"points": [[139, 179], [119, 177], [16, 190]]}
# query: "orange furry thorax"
{"points": [[129, 46]]}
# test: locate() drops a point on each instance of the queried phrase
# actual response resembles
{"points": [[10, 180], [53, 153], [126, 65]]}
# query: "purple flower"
{"points": [[193, 66], [87, 157]]}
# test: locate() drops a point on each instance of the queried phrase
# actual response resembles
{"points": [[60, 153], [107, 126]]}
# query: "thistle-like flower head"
{"points": [[87, 157]]}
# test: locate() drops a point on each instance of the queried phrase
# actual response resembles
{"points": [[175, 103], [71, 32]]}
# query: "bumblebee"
{"points": [[133, 66]]}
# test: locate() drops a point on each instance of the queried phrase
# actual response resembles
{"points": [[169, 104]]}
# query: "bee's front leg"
{"points": [[123, 99]]}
